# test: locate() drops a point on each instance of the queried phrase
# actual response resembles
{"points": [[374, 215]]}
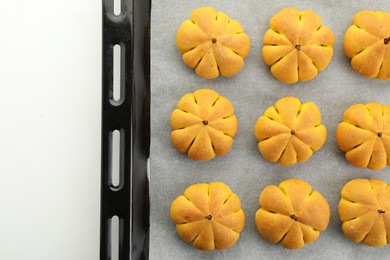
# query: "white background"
{"points": [[50, 83]]}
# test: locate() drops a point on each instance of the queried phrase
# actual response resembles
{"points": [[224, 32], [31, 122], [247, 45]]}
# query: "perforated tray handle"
{"points": [[129, 200]]}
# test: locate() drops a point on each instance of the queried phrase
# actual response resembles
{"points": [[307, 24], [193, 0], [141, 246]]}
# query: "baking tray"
{"points": [[126, 199], [144, 215]]}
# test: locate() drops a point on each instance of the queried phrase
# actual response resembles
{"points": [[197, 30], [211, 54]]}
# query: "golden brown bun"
{"points": [[212, 43], [208, 216], [203, 125], [365, 135], [292, 214], [367, 43], [290, 132], [297, 46], [364, 211]]}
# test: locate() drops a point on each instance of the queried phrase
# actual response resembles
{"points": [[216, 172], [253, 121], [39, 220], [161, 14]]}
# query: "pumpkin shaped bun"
{"points": [[290, 132], [203, 125], [292, 214], [367, 43], [208, 216], [364, 211], [212, 43], [365, 135], [297, 46]]}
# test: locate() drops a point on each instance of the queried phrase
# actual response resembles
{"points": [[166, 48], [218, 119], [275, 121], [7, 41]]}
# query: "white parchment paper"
{"points": [[252, 91]]}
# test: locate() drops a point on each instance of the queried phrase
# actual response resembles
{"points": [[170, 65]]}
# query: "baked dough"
{"points": [[297, 46], [292, 214], [212, 43], [367, 43], [364, 211], [290, 132], [208, 216], [203, 125], [365, 135]]}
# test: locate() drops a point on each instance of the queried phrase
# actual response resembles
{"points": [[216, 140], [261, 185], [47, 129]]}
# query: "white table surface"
{"points": [[50, 82]]}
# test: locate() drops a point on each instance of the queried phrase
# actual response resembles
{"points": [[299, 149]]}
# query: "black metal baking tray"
{"points": [[127, 200]]}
